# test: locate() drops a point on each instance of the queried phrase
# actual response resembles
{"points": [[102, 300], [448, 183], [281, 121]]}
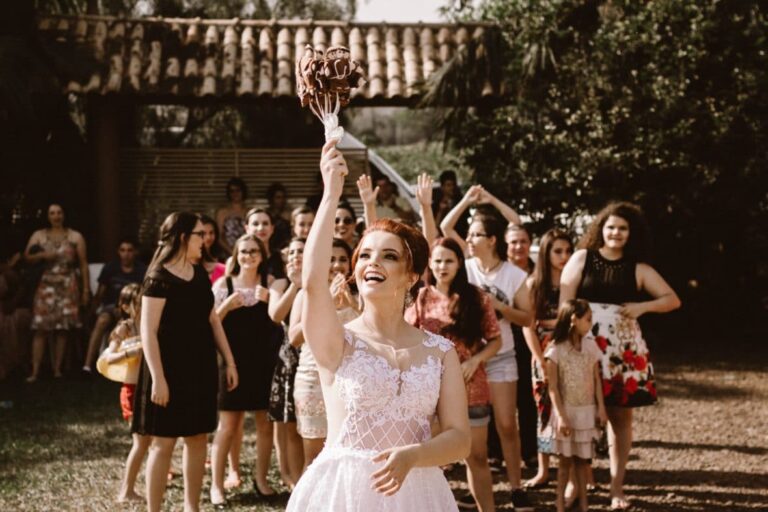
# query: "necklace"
{"points": [[488, 271]]}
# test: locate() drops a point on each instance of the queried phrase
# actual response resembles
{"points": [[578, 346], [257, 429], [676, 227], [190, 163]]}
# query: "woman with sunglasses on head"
{"points": [[504, 283], [344, 224], [610, 270], [383, 380], [308, 393], [178, 381], [554, 251], [242, 297]]}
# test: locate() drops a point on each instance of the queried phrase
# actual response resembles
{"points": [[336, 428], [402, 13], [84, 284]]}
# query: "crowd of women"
{"points": [[330, 353]]}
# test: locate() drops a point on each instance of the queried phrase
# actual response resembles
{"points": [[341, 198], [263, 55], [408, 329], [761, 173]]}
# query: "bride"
{"points": [[383, 380]]}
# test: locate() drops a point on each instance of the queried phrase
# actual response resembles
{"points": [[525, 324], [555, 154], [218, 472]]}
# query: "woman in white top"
{"points": [[488, 269], [383, 380]]}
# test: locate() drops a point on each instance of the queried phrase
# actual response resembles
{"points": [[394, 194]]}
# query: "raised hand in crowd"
{"points": [[368, 196], [424, 196]]}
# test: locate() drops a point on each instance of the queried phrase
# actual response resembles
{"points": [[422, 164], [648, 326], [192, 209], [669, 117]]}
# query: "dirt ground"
{"points": [[703, 447]]}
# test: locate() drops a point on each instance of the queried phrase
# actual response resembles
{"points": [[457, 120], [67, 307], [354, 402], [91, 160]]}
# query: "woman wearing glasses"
{"points": [[180, 332], [242, 297], [504, 283]]}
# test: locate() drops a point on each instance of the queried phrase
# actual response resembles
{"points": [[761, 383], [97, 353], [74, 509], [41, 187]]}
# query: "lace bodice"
{"points": [[381, 405]]}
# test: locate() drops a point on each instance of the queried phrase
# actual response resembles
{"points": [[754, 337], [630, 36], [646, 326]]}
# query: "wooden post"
{"points": [[105, 141]]}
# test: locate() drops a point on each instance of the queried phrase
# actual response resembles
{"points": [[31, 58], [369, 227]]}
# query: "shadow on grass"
{"points": [[59, 420], [697, 390], [671, 445]]}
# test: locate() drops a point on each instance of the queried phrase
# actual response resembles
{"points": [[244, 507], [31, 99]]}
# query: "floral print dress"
{"points": [[56, 306]]}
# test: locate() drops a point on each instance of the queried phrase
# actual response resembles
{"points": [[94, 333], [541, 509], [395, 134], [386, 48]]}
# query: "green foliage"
{"points": [[663, 103], [410, 160]]}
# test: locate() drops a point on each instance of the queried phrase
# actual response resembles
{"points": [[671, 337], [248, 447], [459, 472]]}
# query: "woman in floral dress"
{"points": [[554, 251], [610, 270], [56, 307]]}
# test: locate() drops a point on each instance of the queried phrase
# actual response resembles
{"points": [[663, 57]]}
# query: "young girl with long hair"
{"points": [[125, 348], [383, 380], [555, 249], [311, 420], [178, 380], [610, 270], [575, 388], [450, 306], [241, 300]]}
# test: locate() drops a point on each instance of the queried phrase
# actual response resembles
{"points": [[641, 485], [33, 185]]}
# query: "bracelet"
{"points": [[232, 366]]}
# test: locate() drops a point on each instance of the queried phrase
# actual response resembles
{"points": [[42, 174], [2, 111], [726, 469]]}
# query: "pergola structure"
{"points": [[143, 61]]}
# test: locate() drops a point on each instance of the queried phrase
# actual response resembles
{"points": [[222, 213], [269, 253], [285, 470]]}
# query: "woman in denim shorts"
{"points": [[505, 286], [450, 306]]}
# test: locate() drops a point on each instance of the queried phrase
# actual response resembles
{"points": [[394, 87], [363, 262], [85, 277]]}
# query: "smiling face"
{"points": [[559, 254], [302, 224], [295, 252], [249, 255], [209, 238], [340, 263], [195, 243], [344, 226], [381, 269], [615, 232], [518, 246], [479, 242], [56, 216], [260, 224], [582, 325], [444, 265]]}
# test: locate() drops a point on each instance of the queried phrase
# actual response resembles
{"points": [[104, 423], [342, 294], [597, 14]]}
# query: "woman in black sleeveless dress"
{"points": [[610, 271], [180, 332], [242, 297]]}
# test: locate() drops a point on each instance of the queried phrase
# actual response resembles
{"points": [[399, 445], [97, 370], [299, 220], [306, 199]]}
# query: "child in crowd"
{"points": [[125, 350], [577, 396]]}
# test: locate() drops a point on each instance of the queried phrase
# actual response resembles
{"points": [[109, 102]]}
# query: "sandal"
{"points": [[620, 503], [533, 484]]}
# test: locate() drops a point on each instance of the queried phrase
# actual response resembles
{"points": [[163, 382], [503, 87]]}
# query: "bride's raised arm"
{"points": [[322, 328]]}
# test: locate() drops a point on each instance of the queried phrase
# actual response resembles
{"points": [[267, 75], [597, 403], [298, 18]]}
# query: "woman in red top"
{"points": [[453, 308]]}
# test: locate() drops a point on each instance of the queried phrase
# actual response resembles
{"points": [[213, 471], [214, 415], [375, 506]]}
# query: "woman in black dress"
{"points": [[241, 299], [178, 381], [610, 270]]}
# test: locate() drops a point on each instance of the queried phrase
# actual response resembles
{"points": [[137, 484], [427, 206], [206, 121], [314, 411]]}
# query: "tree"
{"points": [[663, 103]]}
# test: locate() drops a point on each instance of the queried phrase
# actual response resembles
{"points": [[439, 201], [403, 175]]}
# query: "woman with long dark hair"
{"points": [[211, 249], [504, 283], [241, 299], [555, 249], [452, 307], [178, 380], [59, 295], [610, 269]]}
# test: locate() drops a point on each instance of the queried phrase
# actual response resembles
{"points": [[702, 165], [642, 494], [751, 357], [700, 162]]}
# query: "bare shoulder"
{"points": [[580, 256], [75, 236]]}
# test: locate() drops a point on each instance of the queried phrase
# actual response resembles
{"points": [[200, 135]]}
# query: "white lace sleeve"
{"points": [[219, 295], [435, 340]]}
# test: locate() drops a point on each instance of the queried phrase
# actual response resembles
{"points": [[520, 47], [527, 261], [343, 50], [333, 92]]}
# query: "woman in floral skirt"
{"points": [[610, 270]]}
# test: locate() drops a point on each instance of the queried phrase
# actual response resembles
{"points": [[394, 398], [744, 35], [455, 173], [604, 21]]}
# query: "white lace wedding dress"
{"points": [[380, 398]]}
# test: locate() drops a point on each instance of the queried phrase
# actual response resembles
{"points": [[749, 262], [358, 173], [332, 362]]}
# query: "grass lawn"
{"points": [[704, 447]]}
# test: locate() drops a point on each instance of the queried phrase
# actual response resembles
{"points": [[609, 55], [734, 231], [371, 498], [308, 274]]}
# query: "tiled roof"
{"points": [[251, 58]]}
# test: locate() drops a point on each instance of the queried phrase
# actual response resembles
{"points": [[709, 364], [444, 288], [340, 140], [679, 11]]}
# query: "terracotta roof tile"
{"points": [[198, 58]]}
